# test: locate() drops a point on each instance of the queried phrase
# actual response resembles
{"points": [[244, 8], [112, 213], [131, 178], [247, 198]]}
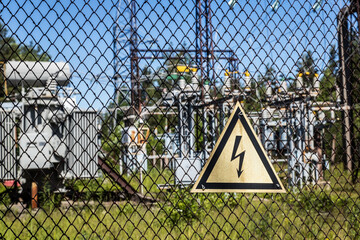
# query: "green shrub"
{"points": [[48, 198], [183, 207], [353, 215], [4, 196], [313, 200]]}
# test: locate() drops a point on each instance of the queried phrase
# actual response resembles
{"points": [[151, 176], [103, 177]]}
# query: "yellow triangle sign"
{"points": [[238, 162]]}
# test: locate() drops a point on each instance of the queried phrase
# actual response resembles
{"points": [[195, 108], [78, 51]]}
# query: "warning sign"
{"points": [[238, 163]]}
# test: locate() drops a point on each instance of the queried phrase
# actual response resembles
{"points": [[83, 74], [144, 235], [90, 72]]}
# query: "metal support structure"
{"points": [[134, 65], [290, 129], [204, 44], [346, 84], [202, 55]]}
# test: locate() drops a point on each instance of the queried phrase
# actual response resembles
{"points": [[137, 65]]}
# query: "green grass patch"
{"points": [[313, 212]]}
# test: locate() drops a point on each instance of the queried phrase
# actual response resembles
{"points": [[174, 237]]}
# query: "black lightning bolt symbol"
{"points": [[241, 155]]}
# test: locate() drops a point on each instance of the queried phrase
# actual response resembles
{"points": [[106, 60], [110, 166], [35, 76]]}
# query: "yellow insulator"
{"points": [[181, 68], [185, 69], [227, 72], [247, 74]]}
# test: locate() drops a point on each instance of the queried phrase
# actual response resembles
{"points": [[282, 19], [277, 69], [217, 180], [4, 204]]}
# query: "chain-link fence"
{"points": [[110, 110]]}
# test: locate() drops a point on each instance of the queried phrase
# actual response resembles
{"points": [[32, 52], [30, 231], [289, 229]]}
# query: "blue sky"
{"points": [[80, 32]]}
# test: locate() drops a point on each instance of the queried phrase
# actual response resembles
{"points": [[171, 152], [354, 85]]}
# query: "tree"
{"points": [[149, 95], [306, 66], [10, 50], [8, 46], [328, 81], [268, 77]]}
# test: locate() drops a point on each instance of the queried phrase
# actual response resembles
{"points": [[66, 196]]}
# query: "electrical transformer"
{"points": [[7, 146], [55, 140]]}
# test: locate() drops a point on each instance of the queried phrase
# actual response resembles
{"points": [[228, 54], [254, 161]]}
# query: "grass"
{"points": [[312, 213]]}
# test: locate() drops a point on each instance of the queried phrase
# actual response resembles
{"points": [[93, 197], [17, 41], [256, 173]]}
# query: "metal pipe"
{"points": [[345, 79], [34, 195]]}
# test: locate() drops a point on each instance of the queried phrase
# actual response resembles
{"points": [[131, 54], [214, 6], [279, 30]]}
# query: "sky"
{"points": [[81, 33]]}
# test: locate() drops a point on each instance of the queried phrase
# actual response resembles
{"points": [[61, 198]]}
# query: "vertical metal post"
{"points": [[356, 149], [347, 114], [134, 63], [213, 130], [180, 128], [199, 45], [204, 44], [34, 195], [115, 68], [191, 117], [209, 45], [290, 140], [205, 132]]}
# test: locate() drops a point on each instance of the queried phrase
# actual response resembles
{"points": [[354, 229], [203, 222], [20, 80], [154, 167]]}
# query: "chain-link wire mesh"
{"points": [[109, 111]]}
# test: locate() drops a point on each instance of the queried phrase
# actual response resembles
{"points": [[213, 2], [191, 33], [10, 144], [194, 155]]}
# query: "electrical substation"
{"points": [[290, 122], [44, 132], [204, 119]]}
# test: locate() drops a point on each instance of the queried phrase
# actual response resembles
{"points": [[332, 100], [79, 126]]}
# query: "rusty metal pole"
{"points": [[204, 44], [333, 149], [345, 80], [356, 149], [210, 45], [134, 61], [200, 45], [34, 195], [358, 16]]}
